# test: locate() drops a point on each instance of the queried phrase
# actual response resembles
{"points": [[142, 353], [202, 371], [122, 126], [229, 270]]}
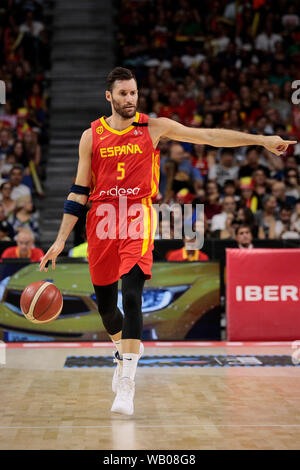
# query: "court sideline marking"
{"points": [[158, 426], [148, 344]]}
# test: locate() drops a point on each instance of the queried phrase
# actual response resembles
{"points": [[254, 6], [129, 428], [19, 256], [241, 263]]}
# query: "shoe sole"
{"points": [[122, 412]]}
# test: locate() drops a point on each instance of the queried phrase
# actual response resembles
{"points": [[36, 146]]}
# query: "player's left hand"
{"points": [[276, 144]]}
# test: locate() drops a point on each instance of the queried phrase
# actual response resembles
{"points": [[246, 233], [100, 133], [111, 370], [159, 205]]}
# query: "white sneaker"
{"points": [[123, 402], [118, 370]]}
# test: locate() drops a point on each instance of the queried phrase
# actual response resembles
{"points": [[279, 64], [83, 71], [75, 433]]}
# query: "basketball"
{"points": [[41, 302]]}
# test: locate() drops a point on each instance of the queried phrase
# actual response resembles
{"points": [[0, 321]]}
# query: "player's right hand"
{"points": [[51, 254]]}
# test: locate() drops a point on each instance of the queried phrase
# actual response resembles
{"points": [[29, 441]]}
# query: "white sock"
{"points": [[118, 345], [130, 361]]}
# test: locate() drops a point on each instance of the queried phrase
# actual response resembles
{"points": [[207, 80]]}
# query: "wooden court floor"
{"points": [[46, 406]]}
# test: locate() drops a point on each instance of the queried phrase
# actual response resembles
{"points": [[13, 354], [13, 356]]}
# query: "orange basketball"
{"points": [[41, 302]]}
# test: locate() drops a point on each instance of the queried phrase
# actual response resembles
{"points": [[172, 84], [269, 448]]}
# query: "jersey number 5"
{"points": [[121, 169]]}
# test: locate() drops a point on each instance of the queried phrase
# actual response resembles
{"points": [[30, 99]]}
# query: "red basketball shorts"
{"points": [[120, 234]]}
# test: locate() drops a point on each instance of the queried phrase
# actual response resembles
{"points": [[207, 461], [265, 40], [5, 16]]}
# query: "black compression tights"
{"points": [[107, 297]]}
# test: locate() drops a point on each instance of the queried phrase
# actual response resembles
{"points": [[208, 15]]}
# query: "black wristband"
{"points": [[78, 189]]}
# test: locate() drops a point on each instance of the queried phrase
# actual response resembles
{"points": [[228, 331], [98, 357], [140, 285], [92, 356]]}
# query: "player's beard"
{"points": [[122, 111]]}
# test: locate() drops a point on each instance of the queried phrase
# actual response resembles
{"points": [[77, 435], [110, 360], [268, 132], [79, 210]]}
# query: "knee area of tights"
{"points": [[131, 299], [107, 313]]}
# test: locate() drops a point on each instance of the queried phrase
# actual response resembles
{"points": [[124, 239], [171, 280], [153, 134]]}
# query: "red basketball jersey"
{"points": [[124, 163]]}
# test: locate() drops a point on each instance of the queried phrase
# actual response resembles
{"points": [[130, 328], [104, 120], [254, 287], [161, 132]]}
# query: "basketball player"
{"points": [[118, 159]]}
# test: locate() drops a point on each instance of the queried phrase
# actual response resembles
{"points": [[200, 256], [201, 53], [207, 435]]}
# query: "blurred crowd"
{"points": [[24, 62], [222, 64]]}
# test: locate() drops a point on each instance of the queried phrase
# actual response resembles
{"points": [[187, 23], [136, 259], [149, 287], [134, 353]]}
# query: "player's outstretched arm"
{"points": [[164, 127], [83, 178]]}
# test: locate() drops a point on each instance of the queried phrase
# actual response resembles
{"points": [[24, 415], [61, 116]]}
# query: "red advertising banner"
{"points": [[263, 294]]}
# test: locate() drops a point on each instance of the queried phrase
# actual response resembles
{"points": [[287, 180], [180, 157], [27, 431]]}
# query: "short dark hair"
{"points": [[286, 207], [242, 226], [262, 116], [264, 95], [16, 167], [226, 151], [251, 148], [118, 73], [279, 126], [229, 183], [4, 183]]}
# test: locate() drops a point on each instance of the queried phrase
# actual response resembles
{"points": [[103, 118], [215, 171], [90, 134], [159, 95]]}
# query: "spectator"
{"points": [[266, 41], [284, 228], [7, 165], [166, 223], [218, 221], [18, 189], [282, 106], [246, 217], [278, 191], [246, 104], [217, 106], [208, 120], [30, 26], [292, 184], [180, 173], [22, 123], [260, 185], [244, 237], [8, 118], [5, 146], [36, 99], [280, 75], [225, 170], [7, 202], [199, 160], [248, 197], [252, 164], [192, 58], [25, 216], [230, 226], [291, 162], [3, 220], [166, 230], [32, 148], [19, 86], [231, 11], [290, 19], [296, 217], [25, 248], [200, 225], [229, 189], [19, 153], [186, 253], [212, 204], [259, 112], [4, 232], [266, 218]]}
